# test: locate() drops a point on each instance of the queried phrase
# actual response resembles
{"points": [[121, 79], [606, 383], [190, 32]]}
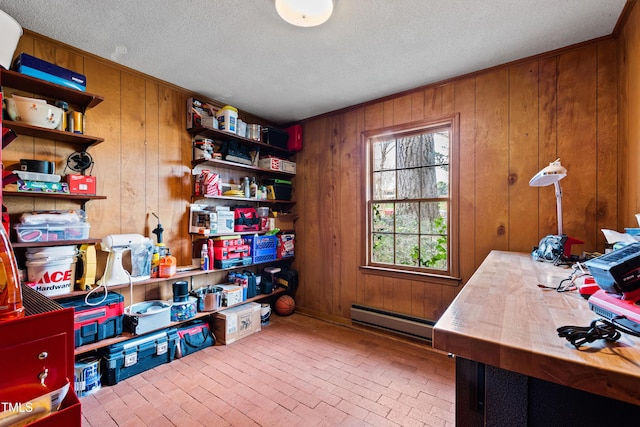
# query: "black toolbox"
{"points": [[128, 358], [194, 336], [95, 318]]}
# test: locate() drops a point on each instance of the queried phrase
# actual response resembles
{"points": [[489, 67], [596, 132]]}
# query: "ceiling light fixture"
{"points": [[305, 13]]}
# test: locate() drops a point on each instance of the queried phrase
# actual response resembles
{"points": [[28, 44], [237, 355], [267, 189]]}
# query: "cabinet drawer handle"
{"points": [[43, 355], [43, 376]]}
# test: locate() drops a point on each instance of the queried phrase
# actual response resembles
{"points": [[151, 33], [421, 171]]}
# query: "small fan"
{"points": [[80, 161]]}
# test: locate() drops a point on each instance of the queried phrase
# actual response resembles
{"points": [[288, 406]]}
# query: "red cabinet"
{"points": [[36, 357]]}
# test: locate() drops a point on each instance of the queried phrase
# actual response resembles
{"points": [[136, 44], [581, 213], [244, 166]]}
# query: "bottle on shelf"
{"points": [[246, 186], [204, 258], [210, 251], [168, 265], [253, 193], [10, 291]]}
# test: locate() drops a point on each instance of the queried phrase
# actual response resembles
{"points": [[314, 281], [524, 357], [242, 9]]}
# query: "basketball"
{"points": [[285, 305]]}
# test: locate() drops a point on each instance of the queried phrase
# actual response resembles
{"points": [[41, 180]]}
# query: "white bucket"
{"points": [[52, 270], [227, 119], [10, 33]]}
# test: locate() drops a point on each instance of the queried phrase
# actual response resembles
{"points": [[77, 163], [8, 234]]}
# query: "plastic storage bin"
{"points": [[282, 188], [275, 137], [93, 323], [52, 232], [129, 358], [263, 248]]}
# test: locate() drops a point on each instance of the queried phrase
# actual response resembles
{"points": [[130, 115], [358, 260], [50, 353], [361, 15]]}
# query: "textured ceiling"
{"points": [[242, 53]]}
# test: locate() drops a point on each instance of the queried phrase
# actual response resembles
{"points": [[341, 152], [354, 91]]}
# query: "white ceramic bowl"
{"points": [[34, 112]]}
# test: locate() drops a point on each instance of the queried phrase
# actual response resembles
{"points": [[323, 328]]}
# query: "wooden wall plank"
{"points": [[152, 179], [347, 240], [547, 144], [402, 109], [132, 127], [607, 152], [523, 153], [464, 104], [492, 163], [577, 141], [417, 105], [104, 121]]}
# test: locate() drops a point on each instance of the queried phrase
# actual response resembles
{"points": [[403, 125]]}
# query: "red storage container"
{"points": [[294, 142]]}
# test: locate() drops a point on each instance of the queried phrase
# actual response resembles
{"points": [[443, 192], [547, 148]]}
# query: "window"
{"points": [[412, 189]]}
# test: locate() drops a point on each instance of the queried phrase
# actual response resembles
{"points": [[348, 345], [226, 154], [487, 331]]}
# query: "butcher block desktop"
{"points": [[511, 365]]}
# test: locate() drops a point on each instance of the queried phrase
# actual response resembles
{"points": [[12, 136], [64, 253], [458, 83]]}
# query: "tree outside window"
{"points": [[410, 198]]}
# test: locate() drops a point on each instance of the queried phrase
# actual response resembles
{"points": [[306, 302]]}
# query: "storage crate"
{"points": [[131, 357], [263, 248], [51, 232]]}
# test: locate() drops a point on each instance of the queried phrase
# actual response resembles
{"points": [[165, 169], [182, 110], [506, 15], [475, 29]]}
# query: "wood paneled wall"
{"points": [[514, 120], [629, 129]]}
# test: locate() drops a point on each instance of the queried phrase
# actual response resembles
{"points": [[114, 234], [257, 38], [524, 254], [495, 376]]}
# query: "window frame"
{"points": [[424, 126]]}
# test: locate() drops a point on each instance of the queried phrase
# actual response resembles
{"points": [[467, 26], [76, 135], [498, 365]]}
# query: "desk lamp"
{"points": [[552, 174]]}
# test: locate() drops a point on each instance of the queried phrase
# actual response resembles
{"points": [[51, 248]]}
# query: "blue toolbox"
{"points": [[95, 318], [194, 336], [131, 357]]}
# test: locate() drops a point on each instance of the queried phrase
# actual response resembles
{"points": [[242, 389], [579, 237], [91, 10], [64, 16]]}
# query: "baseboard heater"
{"points": [[411, 326]]}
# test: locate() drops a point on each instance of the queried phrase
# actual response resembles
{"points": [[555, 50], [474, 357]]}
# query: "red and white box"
{"points": [[81, 184], [269, 163]]}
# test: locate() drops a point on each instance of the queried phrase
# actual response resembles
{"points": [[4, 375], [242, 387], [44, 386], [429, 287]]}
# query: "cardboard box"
{"points": [[81, 184], [269, 163], [287, 166], [235, 323], [226, 221], [231, 294], [202, 220]]}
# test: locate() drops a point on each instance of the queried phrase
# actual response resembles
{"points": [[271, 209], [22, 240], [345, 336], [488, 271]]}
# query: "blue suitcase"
{"points": [[131, 357]]}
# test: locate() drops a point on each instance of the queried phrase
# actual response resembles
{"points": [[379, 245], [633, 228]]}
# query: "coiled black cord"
{"points": [[600, 329]]}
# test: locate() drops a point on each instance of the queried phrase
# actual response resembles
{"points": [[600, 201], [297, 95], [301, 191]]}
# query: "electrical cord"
{"points": [[568, 284], [599, 329]]}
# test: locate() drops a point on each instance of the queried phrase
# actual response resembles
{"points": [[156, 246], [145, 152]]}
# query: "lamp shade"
{"points": [[549, 175], [305, 13]]}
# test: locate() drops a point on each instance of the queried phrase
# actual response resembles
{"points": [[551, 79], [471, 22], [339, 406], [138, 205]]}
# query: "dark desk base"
{"points": [[490, 396]]}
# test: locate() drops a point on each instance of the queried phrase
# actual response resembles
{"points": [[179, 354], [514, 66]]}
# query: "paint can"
{"points": [[75, 122], [87, 376]]}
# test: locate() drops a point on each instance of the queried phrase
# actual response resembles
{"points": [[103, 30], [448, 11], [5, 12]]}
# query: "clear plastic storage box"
{"points": [[51, 232]]}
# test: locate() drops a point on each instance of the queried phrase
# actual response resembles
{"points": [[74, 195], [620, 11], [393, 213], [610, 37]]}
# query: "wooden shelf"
{"points": [[179, 275], [127, 335], [246, 199], [240, 166], [81, 197], [226, 136], [26, 83], [77, 139]]}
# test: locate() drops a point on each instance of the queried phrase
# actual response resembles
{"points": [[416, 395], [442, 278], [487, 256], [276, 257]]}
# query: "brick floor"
{"points": [[298, 371]]}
